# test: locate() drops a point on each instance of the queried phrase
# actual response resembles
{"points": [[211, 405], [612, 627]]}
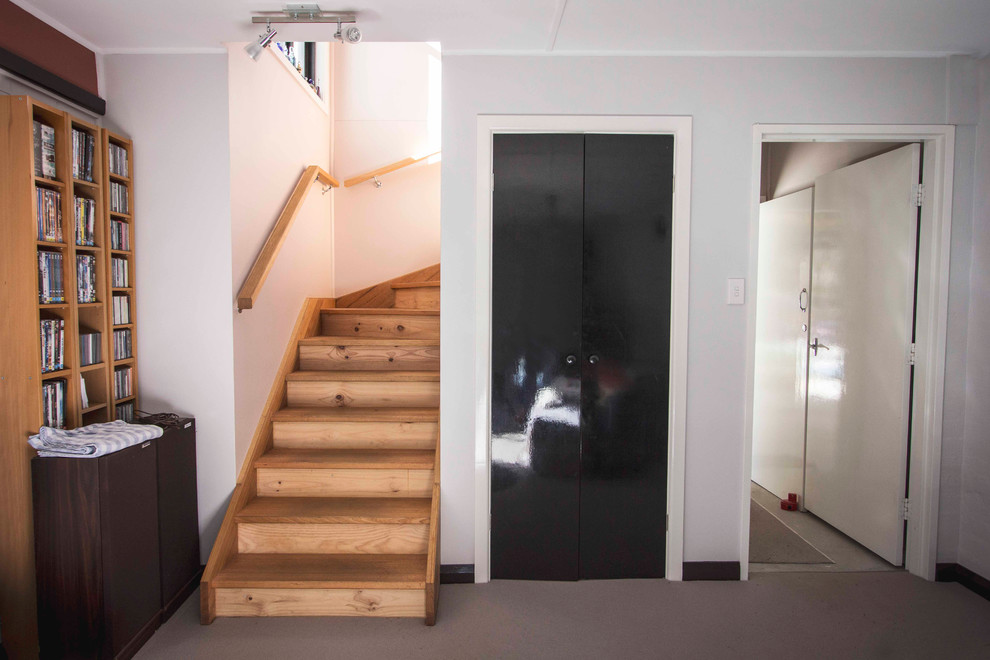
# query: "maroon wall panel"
{"points": [[39, 43]]}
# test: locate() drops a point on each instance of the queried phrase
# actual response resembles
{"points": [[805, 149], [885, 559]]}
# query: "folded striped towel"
{"points": [[92, 441]]}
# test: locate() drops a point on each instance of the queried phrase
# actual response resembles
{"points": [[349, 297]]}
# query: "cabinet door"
{"points": [[628, 208], [178, 517], [536, 325], [129, 516]]}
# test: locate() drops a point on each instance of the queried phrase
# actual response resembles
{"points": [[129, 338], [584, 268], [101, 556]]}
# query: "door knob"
{"points": [[593, 359], [815, 346], [571, 359]]}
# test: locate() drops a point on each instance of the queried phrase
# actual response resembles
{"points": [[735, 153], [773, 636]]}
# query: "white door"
{"points": [[863, 265], [783, 276]]}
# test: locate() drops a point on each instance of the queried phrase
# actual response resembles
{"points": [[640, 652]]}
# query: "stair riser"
{"points": [[355, 435], [381, 325], [321, 602], [363, 394], [427, 297], [323, 538], [398, 358], [305, 482]]}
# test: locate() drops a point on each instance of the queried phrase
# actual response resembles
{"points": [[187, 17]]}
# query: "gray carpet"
{"points": [[773, 542], [780, 615]]}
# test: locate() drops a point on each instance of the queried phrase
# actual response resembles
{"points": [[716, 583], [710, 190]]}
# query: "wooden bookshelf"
{"points": [[115, 213], [22, 380]]}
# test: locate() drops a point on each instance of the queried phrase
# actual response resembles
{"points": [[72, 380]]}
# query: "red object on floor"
{"points": [[792, 497], [789, 504]]}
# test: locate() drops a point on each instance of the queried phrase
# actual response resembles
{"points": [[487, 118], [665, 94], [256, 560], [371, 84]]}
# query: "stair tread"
{"points": [[401, 459], [323, 571], [405, 510], [342, 340], [344, 414], [398, 311], [364, 375], [415, 285]]}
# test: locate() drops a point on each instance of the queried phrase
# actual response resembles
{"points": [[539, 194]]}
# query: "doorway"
{"points": [[680, 129], [827, 474], [581, 257]]}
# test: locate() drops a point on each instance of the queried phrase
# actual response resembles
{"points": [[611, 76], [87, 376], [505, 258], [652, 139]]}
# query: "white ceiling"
{"points": [[758, 27]]}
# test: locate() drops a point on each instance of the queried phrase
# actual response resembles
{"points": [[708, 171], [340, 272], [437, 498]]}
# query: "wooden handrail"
{"points": [[397, 165], [266, 258]]}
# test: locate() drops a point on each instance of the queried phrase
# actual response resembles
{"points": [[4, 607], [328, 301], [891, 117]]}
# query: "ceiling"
{"points": [[565, 27]]}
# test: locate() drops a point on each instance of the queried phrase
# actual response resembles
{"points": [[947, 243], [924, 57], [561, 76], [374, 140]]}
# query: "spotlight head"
{"points": [[263, 41], [353, 35]]}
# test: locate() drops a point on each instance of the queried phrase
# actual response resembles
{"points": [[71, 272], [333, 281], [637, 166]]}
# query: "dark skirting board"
{"points": [[710, 570]]}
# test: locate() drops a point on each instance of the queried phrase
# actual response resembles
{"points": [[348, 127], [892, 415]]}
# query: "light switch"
{"points": [[736, 291]]}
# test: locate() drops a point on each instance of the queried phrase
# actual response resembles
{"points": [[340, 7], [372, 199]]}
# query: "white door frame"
{"points": [[932, 303], [680, 128]]}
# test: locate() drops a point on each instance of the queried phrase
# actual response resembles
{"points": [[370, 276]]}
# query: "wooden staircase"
{"points": [[336, 512]]}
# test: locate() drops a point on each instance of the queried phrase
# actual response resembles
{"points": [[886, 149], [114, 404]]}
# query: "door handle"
{"points": [[570, 359], [803, 300], [593, 359], [815, 346]]}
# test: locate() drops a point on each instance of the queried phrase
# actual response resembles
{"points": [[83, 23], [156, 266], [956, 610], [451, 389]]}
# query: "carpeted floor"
{"points": [[773, 542], [792, 615]]}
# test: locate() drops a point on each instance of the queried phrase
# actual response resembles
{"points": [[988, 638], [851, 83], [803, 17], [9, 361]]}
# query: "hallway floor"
{"points": [[799, 615], [847, 554]]}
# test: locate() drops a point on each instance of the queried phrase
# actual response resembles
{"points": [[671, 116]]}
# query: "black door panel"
{"points": [[581, 262]]}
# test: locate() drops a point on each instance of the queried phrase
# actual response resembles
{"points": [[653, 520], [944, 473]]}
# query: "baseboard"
{"points": [[456, 573], [952, 572], [132, 647], [710, 570], [179, 598]]}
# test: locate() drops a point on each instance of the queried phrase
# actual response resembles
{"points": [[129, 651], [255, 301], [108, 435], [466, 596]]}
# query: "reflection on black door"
{"points": [[581, 264]]}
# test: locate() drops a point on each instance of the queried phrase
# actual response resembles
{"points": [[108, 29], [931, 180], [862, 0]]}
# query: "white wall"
{"points": [[276, 130], [974, 523], [174, 107], [386, 108], [726, 96]]}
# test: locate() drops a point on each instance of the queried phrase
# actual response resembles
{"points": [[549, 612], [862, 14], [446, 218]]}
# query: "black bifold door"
{"points": [[581, 274]]}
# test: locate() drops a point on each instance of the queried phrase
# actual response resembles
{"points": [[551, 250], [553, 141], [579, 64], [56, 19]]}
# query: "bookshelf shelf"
{"points": [[92, 185], [120, 179], [61, 373], [94, 408], [118, 214], [53, 183], [92, 367]]}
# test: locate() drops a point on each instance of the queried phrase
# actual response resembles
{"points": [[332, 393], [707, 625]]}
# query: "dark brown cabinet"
{"points": [[178, 515], [116, 545]]}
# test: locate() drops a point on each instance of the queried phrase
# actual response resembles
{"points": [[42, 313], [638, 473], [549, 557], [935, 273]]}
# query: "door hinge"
{"points": [[913, 354], [918, 194], [493, 182], [666, 523], [906, 508]]}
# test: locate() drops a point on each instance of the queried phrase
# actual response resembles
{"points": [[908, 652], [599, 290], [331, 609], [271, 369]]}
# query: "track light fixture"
{"points": [[313, 14], [255, 47], [351, 35]]}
